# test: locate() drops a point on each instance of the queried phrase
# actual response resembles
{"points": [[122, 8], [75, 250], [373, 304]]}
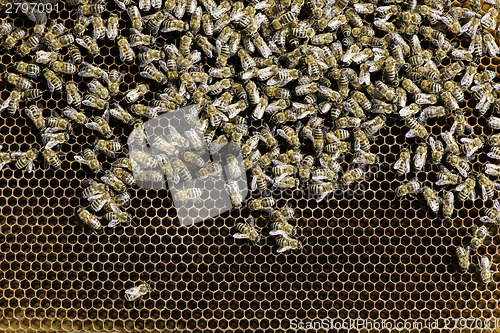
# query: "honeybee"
{"points": [[115, 218], [88, 44], [371, 127], [90, 9], [466, 189], [290, 135], [432, 199], [416, 129], [14, 37], [234, 192], [155, 176], [35, 114], [94, 102], [53, 81], [460, 124], [81, 25], [233, 167], [126, 177], [127, 54], [25, 159], [471, 146], [134, 94], [492, 169], [113, 181], [112, 28], [361, 141], [280, 226], [485, 269], [420, 157], [411, 187], [188, 194], [60, 137], [143, 159], [463, 255], [286, 244], [494, 122], [78, 117], [487, 186], [108, 146], [139, 39], [120, 114], [113, 81], [448, 203], [96, 88], [181, 170], [437, 150], [5, 157], [247, 230], [462, 166], [90, 159], [445, 177], [18, 81], [51, 158], [31, 70], [363, 157], [73, 96], [93, 71], [451, 144], [468, 77], [56, 124], [63, 67], [352, 176], [137, 292], [210, 169], [12, 103], [135, 17], [285, 182], [216, 145], [478, 238], [89, 219]]}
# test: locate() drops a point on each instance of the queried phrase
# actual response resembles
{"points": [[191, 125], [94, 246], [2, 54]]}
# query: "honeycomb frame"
{"points": [[56, 276]]}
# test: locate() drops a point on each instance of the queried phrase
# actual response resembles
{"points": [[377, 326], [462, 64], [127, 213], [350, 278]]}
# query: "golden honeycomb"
{"points": [[366, 255]]}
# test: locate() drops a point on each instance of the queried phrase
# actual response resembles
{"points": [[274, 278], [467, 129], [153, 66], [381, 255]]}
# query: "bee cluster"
{"points": [[317, 80]]}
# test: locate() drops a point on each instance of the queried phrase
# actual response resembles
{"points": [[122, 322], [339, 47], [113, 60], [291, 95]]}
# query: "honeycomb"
{"points": [[366, 254]]}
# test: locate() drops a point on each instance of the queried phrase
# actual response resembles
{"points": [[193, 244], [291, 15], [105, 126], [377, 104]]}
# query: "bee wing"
{"points": [[397, 165], [239, 235], [484, 193], [113, 223], [494, 156], [17, 155], [321, 197], [51, 86], [253, 184], [110, 153], [93, 126], [466, 140], [284, 249], [277, 233], [460, 187], [462, 172], [132, 291], [411, 133], [473, 195], [432, 143], [29, 167], [251, 221]]}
